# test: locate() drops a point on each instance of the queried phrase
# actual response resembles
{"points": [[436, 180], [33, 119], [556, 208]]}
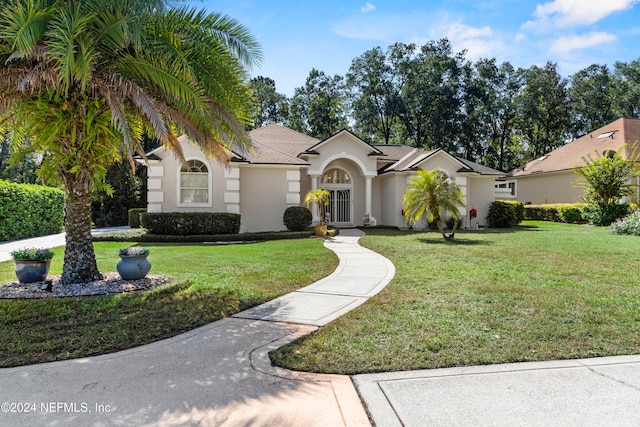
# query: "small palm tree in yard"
{"points": [[320, 198], [434, 195], [83, 80]]}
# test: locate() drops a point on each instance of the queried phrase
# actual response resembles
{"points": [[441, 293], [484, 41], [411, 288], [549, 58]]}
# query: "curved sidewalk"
{"points": [[216, 375]]}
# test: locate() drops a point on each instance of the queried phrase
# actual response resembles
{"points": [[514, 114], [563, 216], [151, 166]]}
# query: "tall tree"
{"points": [[319, 108], [430, 93], [273, 107], [86, 78], [592, 97], [476, 102], [502, 85], [627, 76], [374, 95], [543, 109]]}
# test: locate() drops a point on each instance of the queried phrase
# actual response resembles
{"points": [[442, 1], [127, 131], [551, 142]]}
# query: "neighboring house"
{"points": [[363, 179], [551, 178]]}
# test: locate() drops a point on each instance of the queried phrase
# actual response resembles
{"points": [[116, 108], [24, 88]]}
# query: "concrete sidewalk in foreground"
{"points": [[587, 392]]}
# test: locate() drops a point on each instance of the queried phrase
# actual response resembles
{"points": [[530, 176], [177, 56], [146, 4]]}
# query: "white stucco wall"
{"points": [[481, 193], [392, 189], [164, 194], [265, 193]]}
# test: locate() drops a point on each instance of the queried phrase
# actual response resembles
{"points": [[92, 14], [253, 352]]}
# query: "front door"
{"points": [[339, 208]]}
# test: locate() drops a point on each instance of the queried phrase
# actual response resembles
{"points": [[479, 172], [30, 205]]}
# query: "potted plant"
{"points": [[32, 264], [321, 198], [133, 264]]}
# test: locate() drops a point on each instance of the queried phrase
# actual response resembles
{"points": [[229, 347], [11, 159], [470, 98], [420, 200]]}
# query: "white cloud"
{"points": [[368, 7], [571, 13], [478, 42], [570, 43]]}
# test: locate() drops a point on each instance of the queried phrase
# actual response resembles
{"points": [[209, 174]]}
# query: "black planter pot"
{"points": [[29, 270]]}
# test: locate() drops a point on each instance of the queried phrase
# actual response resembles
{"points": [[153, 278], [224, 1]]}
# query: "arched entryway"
{"points": [[339, 183]]}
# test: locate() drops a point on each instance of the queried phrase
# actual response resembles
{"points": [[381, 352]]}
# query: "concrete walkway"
{"points": [[221, 375], [216, 375]]}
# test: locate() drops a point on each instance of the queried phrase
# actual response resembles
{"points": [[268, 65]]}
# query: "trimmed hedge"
{"points": [[119, 236], [190, 223], [28, 210], [570, 213], [297, 218], [134, 217]]}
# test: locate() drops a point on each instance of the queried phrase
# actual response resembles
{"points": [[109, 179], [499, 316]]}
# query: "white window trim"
{"points": [[209, 183], [506, 192]]}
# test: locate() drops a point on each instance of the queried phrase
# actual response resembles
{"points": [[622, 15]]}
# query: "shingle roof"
{"points": [[275, 144], [610, 137], [405, 158]]}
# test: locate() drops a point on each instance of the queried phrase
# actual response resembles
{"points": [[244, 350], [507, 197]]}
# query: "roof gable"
{"points": [[404, 158], [612, 137], [344, 133]]}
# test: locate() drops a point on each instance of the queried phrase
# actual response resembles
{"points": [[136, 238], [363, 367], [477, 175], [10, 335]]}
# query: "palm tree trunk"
{"points": [[79, 257]]}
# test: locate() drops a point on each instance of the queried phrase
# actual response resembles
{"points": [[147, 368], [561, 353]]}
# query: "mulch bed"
{"points": [[111, 283]]}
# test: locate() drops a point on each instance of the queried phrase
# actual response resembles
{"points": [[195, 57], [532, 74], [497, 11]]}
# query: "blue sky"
{"points": [[297, 36]]}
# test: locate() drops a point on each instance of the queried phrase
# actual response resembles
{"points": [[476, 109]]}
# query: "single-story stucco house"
{"points": [[551, 178], [363, 179]]}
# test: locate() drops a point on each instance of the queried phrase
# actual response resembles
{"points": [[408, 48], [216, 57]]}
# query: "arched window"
{"points": [[336, 176], [194, 182]]}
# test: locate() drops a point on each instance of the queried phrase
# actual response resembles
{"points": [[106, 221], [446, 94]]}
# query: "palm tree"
{"points": [[320, 198], [432, 194], [85, 79]]}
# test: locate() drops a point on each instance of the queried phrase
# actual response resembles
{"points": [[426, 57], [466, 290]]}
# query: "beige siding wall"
{"points": [[542, 189]]}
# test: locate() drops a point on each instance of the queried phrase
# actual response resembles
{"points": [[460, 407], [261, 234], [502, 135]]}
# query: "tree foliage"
{"points": [[606, 179], [319, 108], [375, 96], [273, 107], [83, 80]]}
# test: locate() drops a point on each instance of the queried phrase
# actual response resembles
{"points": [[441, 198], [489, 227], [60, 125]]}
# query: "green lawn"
{"points": [[211, 282], [539, 292]]}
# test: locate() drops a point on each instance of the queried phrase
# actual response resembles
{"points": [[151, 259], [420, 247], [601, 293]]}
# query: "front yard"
{"points": [[211, 282], [539, 292]]}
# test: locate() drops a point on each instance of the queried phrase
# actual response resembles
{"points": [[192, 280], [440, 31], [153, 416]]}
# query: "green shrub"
{"points": [[297, 218], [518, 208], [502, 215], [134, 217], [603, 214], [570, 214], [190, 223], [28, 210], [628, 225]]}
